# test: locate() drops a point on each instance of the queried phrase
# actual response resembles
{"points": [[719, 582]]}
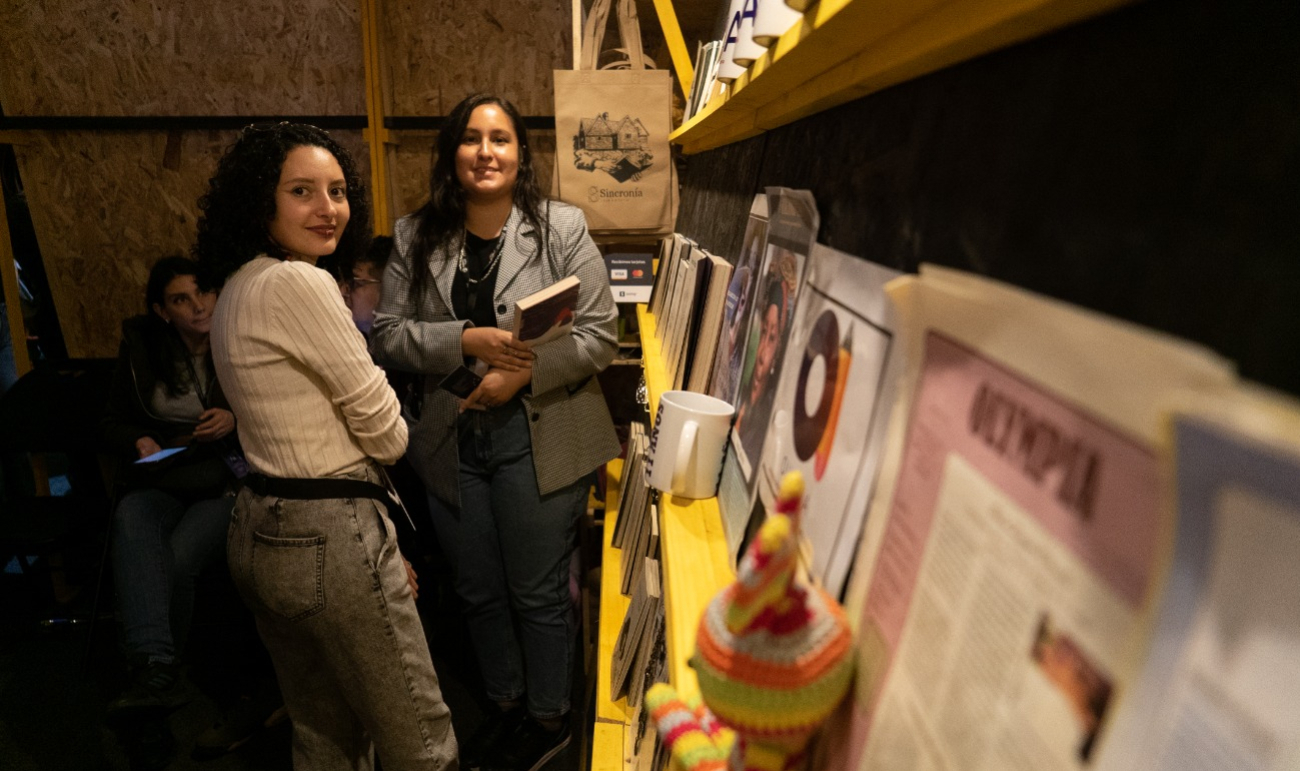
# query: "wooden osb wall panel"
{"points": [[105, 205], [439, 53], [410, 169], [146, 57]]}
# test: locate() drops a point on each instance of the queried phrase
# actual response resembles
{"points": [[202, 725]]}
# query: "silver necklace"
{"points": [[462, 264]]}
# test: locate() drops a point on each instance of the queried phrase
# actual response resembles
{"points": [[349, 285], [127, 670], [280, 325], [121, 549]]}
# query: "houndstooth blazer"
{"points": [[569, 422]]}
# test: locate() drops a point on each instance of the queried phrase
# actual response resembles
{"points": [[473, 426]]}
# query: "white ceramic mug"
{"points": [[688, 443]]}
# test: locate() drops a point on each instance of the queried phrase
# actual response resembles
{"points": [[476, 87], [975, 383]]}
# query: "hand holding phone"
{"points": [[461, 382]]}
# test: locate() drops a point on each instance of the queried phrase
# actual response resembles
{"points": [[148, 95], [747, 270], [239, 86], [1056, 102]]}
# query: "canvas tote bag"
{"points": [[611, 132]]}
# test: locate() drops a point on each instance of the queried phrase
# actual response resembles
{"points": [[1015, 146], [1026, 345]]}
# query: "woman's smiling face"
{"points": [[311, 204], [487, 161]]}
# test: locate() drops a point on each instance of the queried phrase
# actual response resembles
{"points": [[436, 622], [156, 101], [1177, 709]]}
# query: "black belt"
{"points": [[315, 489]]}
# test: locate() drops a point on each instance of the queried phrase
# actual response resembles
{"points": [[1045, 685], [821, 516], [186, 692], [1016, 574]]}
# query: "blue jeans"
{"points": [[160, 545], [328, 588], [509, 548]]}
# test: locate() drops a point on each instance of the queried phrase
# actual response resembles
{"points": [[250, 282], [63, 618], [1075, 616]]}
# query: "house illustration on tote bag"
{"points": [[620, 149]]}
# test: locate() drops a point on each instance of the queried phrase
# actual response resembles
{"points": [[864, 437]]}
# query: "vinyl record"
{"points": [[824, 342]]}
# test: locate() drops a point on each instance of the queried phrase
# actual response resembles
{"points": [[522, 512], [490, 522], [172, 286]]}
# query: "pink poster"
{"points": [[1091, 488]]}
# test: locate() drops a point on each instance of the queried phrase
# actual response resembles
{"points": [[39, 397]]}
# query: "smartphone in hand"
{"points": [[157, 456], [461, 382]]}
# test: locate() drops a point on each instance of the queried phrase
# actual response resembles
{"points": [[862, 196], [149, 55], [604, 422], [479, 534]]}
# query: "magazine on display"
{"points": [[734, 339], [833, 403], [1221, 674], [792, 230], [1004, 584]]}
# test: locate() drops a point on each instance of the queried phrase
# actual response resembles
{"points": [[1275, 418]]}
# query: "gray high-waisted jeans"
{"points": [[328, 588]]}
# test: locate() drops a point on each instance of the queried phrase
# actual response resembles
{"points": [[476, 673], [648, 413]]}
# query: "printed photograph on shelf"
{"points": [[791, 230], [832, 403], [735, 321]]}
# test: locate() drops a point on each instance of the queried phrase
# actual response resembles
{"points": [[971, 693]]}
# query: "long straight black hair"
{"points": [[440, 223]]}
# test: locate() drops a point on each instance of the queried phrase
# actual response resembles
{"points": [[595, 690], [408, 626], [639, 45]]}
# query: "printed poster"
{"points": [[1019, 548], [1221, 685], [832, 404]]}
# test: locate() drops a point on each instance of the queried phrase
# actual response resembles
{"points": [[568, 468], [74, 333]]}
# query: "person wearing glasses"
{"points": [[311, 547], [360, 280], [523, 446]]}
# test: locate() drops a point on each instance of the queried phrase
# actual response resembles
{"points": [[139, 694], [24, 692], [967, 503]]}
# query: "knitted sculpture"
{"points": [[772, 656]]}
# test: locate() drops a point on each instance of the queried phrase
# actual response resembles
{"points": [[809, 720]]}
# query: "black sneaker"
{"points": [[530, 746], [156, 689], [248, 717], [489, 736]]}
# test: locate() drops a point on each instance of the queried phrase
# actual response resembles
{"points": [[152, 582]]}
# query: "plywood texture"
{"points": [[410, 166], [439, 53], [1143, 164], [105, 206], [148, 57]]}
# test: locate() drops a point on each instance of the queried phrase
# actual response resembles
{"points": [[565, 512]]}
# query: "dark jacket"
{"points": [[129, 415]]}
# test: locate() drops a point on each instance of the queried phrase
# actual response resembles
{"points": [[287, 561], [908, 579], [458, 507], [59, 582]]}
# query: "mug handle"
{"points": [[682, 460]]}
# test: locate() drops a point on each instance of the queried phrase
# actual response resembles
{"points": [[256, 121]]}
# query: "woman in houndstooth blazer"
{"points": [[508, 468]]}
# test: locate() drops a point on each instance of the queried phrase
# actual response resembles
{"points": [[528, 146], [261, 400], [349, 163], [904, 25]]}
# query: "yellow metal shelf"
{"points": [[611, 716], [693, 546], [846, 49], [694, 567]]}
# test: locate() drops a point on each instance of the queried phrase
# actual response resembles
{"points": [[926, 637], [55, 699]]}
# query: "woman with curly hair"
{"points": [[311, 548], [526, 441]]}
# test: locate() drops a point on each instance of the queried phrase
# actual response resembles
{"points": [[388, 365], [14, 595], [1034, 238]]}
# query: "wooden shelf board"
{"points": [[693, 546], [846, 49], [607, 746], [695, 567], [613, 607]]}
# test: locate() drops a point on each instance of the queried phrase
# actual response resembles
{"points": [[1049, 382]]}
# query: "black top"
{"points": [[475, 303]]}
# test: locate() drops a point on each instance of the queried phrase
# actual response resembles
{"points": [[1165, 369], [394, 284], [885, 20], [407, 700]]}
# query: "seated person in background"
{"points": [[359, 284], [173, 521], [359, 280]]}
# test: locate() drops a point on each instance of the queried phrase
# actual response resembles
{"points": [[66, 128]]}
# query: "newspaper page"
{"points": [[830, 410], [1006, 573], [1221, 686]]}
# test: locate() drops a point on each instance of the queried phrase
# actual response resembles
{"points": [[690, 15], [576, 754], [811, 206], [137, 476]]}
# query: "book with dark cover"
{"points": [[548, 314]]}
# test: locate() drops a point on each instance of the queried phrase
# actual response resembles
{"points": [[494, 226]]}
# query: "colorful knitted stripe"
{"points": [[680, 731], [762, 595], [775, 684], [777, 662]]}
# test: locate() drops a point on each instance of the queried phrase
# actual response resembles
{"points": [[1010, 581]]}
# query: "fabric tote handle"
{"points": [[629, 30]]}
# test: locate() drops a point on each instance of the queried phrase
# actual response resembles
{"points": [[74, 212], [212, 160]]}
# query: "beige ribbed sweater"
{"points": [[308, 399]]}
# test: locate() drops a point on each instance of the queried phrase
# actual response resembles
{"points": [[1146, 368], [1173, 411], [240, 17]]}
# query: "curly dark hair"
{"points": [[441, 221], [239, 205], [166, 351]]}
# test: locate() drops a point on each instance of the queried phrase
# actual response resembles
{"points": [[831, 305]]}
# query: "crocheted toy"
{"points": [[773, 657]]}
